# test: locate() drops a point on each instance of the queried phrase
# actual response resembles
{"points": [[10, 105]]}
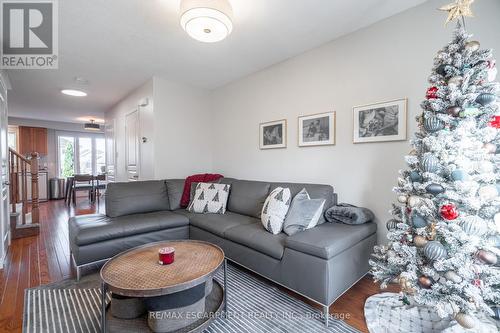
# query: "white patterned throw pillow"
{"points": [[210, 198], [275, 209]]}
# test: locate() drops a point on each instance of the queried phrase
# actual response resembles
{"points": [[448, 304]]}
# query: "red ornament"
{"points": [[432, 93], [478, 283], [495, 122], [449, 212]]}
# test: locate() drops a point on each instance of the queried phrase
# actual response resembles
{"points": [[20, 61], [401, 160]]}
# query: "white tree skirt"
{"points": [[385, 313]]}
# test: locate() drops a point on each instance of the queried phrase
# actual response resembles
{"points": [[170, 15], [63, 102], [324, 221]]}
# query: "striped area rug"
{"points": [[254, 306]]}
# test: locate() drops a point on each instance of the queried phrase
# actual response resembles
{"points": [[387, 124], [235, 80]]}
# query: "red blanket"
{"points": [[201, 178]]}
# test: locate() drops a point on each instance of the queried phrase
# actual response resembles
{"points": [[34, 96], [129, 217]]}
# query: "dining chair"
{"points": [[100, 184], [68, 190], [82, 183]]}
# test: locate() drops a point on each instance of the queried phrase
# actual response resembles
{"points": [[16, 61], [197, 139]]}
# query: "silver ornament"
{"points": [[430, 163], [488, 192], [453, 277], [433, 124], [455, 81], [420, 241], [487, 257], [434, 250], [402, 199], [474, 226], [490, 148], [414, 201], [472, 46], [465, 320], [391, 224]]}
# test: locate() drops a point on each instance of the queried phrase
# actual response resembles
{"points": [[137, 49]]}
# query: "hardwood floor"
{"points": [[33, 261], [43, 259]]}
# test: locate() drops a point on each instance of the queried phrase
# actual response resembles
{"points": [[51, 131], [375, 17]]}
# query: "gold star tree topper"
{"points": [[458, 9]]}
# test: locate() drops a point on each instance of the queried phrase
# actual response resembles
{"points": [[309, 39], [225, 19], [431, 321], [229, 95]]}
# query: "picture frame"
{"points": [[273, 134], [380, 122], [317, 129]]}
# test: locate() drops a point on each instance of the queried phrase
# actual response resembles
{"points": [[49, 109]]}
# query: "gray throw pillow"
{"points": [[304, 213]]}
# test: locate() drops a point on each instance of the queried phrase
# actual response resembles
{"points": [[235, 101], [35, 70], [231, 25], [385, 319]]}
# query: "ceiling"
{"points": [[119, 44]]}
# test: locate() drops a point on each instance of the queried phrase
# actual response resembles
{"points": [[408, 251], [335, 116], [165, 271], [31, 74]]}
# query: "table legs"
{"points": [[103, 307], [225, 288]]}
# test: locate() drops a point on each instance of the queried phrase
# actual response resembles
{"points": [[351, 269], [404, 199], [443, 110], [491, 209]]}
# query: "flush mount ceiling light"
{"points": [[73, 92], [92, 126], [207, 21]]}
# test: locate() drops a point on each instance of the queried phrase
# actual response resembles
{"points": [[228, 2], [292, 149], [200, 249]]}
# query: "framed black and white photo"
{"points": [[317, 130], [385, 121], [273, 134]]}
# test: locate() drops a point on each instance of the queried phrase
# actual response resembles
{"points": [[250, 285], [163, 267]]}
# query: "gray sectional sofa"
{"points": [[319, 263]]}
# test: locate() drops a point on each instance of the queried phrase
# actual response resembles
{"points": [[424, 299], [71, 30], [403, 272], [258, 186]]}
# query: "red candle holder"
{"points": [[166, 255]]}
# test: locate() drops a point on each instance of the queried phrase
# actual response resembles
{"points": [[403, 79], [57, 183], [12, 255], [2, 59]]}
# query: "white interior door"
{"points": [[4, 175], [109, 134], [132, 154]]}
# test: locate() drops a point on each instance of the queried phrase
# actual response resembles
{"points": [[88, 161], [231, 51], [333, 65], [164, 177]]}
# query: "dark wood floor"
{"points": [[34, 261]]}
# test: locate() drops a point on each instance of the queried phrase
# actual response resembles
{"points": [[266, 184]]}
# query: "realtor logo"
{"points": [[29, 34]]}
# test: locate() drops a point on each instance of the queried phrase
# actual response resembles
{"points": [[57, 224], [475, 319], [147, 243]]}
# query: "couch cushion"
{"points": [[88, 229], [316, 191], [247, 197], [136, 197], [210, 198], [175, 187], [256, 237], [217, 223], [329, 239]]}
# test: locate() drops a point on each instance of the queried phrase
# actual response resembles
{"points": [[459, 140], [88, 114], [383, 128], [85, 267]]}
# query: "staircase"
{"points": [[25, 215]]}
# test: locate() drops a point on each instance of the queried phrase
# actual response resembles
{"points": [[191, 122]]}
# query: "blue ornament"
{"points": [[433, 124], [486, 99], [430, 163], [415, 177], [474, 226], [459, 175], [418, 221], [434, 189], [434, 250]]}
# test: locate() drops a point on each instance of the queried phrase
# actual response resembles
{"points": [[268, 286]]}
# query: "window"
{"points": [[80, 153], [66, 154], [12, 137], [100, 155], [85, 155]]}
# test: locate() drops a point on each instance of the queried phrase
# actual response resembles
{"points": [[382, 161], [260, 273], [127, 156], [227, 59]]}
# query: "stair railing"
{"points": [[22, 189]]}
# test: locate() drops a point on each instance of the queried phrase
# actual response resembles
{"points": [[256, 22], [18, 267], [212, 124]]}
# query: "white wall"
{"points": [[183, 137], [391, 59], [176, 124], [118, 112]]}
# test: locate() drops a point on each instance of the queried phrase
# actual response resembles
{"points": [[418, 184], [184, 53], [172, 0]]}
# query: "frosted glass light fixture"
{"points": [[207, 21], [74, 92]]}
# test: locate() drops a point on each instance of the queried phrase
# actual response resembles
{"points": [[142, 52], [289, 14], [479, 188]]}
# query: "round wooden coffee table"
{"points": [[137, 273]]}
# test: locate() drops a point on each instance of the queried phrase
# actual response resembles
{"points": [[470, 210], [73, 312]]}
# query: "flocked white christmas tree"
{"points": [[444, 237]]}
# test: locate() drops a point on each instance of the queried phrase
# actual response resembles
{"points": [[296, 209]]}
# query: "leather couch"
{"points": [[320, 263]]}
